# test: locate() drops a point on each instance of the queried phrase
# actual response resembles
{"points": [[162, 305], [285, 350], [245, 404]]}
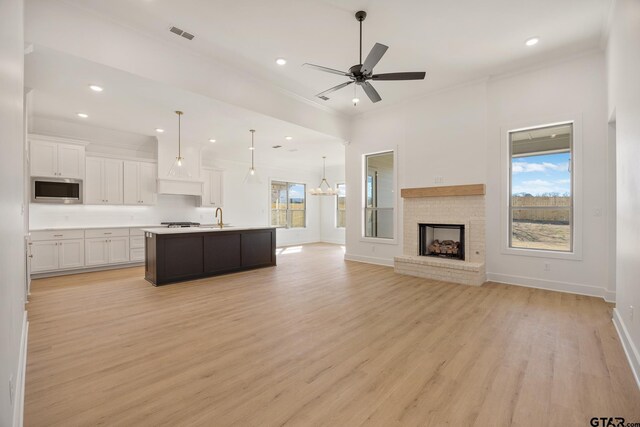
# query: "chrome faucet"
{"points": [[220, 223]]}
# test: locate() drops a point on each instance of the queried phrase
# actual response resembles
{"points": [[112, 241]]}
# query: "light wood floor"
{"points": [[319, 341]]}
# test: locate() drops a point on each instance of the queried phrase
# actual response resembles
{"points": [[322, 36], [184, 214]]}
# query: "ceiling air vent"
{"points": [[180, 32], [277, 146], [324, 98]]}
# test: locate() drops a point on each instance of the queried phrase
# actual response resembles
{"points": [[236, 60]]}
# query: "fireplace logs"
{"points": [[445, 247]]}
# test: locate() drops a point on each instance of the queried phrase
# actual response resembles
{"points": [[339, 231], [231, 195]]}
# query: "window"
{"points": [[341, 206], [379, 195], [541, 188], [288, 204]]}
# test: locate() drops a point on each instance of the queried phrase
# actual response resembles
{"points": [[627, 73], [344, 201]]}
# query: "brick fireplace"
{"points": [[444, 234]]}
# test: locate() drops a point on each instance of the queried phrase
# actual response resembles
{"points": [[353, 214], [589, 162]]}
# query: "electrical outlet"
{"points": [[438, 179], [11, 390], [631, 313], [547, 266]]}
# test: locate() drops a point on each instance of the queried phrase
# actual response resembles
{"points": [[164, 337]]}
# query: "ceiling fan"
{"points": [[362, 72]]}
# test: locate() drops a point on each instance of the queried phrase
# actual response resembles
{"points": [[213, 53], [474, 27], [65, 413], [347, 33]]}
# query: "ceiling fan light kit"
{"points": [[361, 73]]}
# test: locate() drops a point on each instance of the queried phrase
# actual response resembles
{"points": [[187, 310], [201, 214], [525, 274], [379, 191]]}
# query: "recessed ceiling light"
{"points": [[82, 115], [96, 88], [288, 138], [281, 61], [159, 130], [212, 140], [532, 41], [553, 135]]}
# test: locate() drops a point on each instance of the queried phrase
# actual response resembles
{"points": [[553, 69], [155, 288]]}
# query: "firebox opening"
{"points": [[441, 240]]}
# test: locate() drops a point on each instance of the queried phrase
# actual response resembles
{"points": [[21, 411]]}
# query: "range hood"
{"points": [[180, 186]]}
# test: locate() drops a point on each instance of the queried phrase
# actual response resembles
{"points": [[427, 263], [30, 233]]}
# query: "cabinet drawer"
{"points": [[136, 242], [136, 232], [37, 236], [107, 232], [137, 254]]}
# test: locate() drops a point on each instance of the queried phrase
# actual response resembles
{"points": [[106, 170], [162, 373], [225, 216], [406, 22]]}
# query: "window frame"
{"points": [[363, 210], [576, 184], [338, 210], [287, 210], [569, 208]]}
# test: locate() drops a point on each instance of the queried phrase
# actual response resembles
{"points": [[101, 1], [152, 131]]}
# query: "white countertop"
{"points": [[94, 227], [201, 229]]}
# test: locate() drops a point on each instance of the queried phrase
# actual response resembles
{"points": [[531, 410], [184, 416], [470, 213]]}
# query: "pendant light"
{"points": [[326, 190], [179, 169], [252, 176]]}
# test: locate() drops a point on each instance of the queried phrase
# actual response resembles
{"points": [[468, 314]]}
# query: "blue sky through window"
{"points": [[542, 174]]}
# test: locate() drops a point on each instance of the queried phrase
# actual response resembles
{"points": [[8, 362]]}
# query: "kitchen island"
{"points": [[180, 254]]}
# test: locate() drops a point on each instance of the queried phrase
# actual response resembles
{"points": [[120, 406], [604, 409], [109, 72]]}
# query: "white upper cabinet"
{"points": [[104, 182], [57, 160], [139, 183], [213, 188]]}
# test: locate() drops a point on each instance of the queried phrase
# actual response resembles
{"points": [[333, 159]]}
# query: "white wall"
{"points": [[573, 89], [623, 69], [12, 255], [329, 233], [456, 135], [440, 135]]}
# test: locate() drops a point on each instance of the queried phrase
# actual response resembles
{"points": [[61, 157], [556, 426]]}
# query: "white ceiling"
{"points": [[133, 104], [454, 41]]}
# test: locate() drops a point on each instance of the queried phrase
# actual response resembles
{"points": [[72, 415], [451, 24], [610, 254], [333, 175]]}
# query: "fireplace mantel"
{"points": [[444, 191]]}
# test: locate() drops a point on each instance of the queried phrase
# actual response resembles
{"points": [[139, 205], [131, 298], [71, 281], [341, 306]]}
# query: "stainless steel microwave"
{"points": [[56, 190]]}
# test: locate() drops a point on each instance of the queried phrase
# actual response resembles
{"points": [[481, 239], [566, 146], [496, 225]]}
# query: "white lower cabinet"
{"points": [[44, 256], [53, 250], [71, 253], [118, 249], [51, 255], [96, 251], [111, 250]]}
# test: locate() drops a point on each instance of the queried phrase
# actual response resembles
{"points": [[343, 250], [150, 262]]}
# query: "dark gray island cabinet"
{"points": [[180, 254]]}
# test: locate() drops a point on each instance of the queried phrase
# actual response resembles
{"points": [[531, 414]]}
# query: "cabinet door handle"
{"points": [[57, 235], [108, 233], [30, 256]]}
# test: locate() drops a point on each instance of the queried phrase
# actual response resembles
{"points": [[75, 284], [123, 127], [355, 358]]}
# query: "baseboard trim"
{"points": [[333, 242], [18, 407], [633, 356], [552, 285], [369, 260], [86, 270]]}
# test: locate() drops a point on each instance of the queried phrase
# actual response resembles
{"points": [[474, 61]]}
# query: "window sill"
{"points": [[379, 240], [541, 253]]}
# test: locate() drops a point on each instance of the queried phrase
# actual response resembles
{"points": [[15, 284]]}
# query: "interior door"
{"points": [[45, 256], [44, 159], [118, 249], [147, 177], [96, 251], [112, 184], [131, 183], [71, 253], [93, 194], [70, 161]]}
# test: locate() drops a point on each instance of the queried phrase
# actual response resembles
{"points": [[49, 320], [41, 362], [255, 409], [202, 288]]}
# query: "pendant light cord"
{"points": [[253, 148], [179, 113]]}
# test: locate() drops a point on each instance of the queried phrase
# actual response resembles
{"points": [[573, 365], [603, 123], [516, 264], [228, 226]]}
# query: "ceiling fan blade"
{"points": [[373, 58], [325, 69], [333, 89], [418, 75], [371, 92]]}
